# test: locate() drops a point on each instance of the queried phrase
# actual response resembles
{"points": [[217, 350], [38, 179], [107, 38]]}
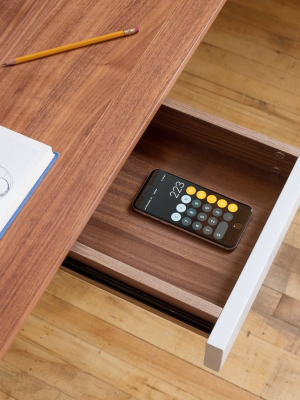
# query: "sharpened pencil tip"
{"points": [[8, 63]]}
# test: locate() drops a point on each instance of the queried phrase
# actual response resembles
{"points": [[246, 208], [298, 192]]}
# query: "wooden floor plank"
{"points": [[263, 357], [284, 384], [59, 374], [21, 386], [269, 22], [269, 358], [236, 107], [284, 281], [4, 396], [98, 362], [297, 217], [253, 51], [266, 301], [288, 257], [244, 66], [136, 351], [273, 330], [228, 22], [289, 310], [283, 10], [63, 396], [247, 85], [293, 235]]}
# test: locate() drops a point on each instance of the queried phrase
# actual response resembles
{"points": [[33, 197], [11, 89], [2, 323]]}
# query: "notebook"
{"points": [[23, 164]]}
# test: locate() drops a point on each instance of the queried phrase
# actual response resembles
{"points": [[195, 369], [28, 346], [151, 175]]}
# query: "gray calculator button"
{"points": [[186, 198], [191, 212], [207, 230], [196, 203], [228, 216], [202, 216], [197, 226], [212, 221], [181, 208], [217, 212], [176, 217], [186, 221], [206, 207], [221, 230]]}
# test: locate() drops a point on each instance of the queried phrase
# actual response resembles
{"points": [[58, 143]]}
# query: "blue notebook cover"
{"points": [[14, 216]]}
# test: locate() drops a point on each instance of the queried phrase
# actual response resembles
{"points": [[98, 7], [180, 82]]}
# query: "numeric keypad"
{"points": [[206, 214]]}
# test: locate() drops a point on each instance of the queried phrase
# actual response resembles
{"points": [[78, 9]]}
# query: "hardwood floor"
{"points": [[83, 343], [247, 70]]}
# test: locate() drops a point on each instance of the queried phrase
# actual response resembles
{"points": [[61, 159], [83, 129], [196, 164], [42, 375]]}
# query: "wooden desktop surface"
{"points": [[91, 105]]}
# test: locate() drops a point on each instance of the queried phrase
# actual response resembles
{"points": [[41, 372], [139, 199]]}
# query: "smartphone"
{"points": [[193, 208]]}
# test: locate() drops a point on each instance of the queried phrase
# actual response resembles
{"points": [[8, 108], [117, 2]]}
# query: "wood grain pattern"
{"points": [[254, 149], [146, 282], [98, 364], [126, 346], [248, 73], [256, 356], [264, 363], [284, 281], [288, 256], [267, 300], [289, 310], [4, 396], [25, 356], [91, 106], [165, 351], [13, 375], [199, 148], [63, 396]]}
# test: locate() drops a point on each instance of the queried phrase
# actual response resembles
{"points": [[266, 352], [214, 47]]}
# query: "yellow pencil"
{"points": [[72, 46]]}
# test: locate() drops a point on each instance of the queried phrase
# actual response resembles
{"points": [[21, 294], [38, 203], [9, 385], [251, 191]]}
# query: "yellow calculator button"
{"points": [[190, 190], [222, 203], [211, 199], [201, 194], [232, 207]]}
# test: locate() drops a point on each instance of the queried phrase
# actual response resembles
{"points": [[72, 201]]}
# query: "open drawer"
{"points": [[178, 276]]}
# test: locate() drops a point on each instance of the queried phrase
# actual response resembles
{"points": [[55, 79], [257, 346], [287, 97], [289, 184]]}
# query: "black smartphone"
{"points": [[193, 208]]}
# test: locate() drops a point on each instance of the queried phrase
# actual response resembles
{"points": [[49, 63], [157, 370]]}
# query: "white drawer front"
{"points": [[243, 295]]}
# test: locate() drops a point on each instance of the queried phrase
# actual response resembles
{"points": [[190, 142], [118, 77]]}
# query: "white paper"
{"points": [[22, 162]]}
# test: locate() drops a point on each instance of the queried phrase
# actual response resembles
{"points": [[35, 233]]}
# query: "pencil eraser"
{"points": [[136, 29]]}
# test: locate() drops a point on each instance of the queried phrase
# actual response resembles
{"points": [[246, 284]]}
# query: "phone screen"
{"points": [[193, 208]]}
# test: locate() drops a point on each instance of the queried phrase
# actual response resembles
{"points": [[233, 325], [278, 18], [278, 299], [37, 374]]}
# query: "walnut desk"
{"points": [[92, 105]]}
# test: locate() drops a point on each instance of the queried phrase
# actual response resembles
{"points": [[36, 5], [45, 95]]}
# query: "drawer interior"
{"points": [[174, 267]]}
